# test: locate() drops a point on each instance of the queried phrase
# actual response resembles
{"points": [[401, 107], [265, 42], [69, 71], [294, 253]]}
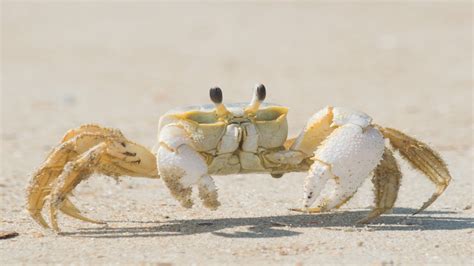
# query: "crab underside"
{"points": [[338, 148]]}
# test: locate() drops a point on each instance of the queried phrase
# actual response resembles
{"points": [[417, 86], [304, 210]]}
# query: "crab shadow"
{"points": [[280, 226]]}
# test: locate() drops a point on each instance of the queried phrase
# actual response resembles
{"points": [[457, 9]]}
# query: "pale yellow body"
{"points": [[238, 143]]}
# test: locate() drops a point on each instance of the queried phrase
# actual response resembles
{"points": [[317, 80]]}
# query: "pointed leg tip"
{"points": [[56, 229], [38, 218], [307, 210], [296, 209], [95, 221], [44, 225], [426, 205]]}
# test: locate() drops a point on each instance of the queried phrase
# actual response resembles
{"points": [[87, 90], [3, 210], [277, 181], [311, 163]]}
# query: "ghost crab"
{"points": [[338, 148]]}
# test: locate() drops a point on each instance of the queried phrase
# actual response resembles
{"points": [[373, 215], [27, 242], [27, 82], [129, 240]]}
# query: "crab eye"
{"points": [[216, 95], [261, 92]]}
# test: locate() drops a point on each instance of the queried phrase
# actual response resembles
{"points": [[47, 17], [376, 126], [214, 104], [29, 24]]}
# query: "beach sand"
{"points": [[122, 65]]}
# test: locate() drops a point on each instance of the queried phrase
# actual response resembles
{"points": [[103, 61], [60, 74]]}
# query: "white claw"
{"points": [[317, 177]]}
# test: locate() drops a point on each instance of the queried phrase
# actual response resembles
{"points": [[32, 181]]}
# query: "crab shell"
{"points": [[230, 144]]}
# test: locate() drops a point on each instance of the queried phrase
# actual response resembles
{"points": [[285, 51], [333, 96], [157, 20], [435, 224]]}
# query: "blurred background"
{"points": [[120, 63], [407, 64]]}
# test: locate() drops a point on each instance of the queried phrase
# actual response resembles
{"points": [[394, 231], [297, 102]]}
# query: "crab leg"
{"points": [[108, 158], [423, 158], [91, 128], [75, 144], [42, 180], [39, 188], [69, 209], [386, 181]]}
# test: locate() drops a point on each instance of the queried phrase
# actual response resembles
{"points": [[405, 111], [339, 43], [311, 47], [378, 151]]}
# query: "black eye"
{"points": [[216, 95], [261, 92]]}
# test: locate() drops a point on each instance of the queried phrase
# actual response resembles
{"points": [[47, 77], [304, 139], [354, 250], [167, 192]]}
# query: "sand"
{"points": [[122, 65]]}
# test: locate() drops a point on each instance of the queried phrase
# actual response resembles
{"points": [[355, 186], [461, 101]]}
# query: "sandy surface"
{"points": [[122, 65]]}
